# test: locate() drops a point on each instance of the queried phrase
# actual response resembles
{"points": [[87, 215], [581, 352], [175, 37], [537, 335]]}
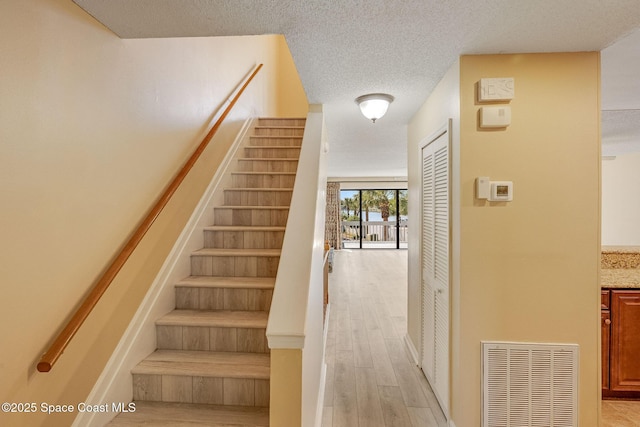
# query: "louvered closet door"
{"points": [[435, 266]]}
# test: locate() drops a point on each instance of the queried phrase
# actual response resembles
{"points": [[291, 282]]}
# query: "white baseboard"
{"points": [[323, 383], [323, 372], [326, 328], [415, 356], [412, 350], [139, 340]]}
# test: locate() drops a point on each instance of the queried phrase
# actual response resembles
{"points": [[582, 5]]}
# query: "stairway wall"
{"points": [[92, 133], [139, 339]]}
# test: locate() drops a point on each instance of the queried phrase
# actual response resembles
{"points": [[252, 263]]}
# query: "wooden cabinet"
{"points": [[625, 341], [605, 325], [620, 325]]}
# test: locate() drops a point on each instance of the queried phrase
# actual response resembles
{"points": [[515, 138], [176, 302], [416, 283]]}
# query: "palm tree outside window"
{"points": [[374, 218]]}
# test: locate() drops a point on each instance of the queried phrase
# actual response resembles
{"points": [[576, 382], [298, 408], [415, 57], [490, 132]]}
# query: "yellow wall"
{"points": [[528, 270], [92, 128], [292, 101], [286, 388]]}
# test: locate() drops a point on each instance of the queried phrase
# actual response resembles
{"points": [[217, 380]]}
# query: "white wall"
{"points": [[621, 200], [365, 184]]}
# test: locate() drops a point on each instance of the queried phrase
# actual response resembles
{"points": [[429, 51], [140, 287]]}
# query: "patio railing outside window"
{"points": [[370, 219]]}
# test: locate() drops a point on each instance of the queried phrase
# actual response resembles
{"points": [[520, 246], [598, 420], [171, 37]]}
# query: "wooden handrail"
{"points": [[57, 348]]}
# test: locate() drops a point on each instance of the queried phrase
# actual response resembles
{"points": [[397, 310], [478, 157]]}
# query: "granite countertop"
{"points": [[620, 267], [620, 278]]}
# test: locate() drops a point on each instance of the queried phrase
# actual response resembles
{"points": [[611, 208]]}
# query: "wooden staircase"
{"points": [[212, 363]]}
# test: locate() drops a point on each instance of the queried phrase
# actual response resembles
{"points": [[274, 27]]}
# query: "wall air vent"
{"points": [[529, 385]]}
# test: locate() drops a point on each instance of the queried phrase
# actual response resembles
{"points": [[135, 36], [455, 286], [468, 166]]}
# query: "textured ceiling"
{"points": [[344, 49]]}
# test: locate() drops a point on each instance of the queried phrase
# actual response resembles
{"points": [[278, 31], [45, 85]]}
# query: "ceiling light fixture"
{"points": [[374, 105]]}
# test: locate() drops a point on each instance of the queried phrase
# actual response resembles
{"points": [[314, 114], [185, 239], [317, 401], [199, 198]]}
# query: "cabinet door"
{"points": [[625, 341], [605, 326]]}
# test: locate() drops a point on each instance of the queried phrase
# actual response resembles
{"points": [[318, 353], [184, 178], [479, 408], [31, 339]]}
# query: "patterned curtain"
{"points": [[332, 219]]}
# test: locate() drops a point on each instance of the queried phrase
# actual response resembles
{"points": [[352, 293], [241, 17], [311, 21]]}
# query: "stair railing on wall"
{"points": [[66, 335]]}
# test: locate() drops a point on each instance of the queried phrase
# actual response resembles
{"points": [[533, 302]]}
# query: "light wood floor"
{"points": [[371, 380], [620, 413]]}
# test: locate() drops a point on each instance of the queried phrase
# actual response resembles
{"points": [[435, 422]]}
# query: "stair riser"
{"points": [[284, 141], [271, 153], [240, 266], [263, 181], [202, 338], [278, 131], [281, 122], [257, 198], [243, 239], [223, 299], [249, 165], [260, 217], [205, 390]]}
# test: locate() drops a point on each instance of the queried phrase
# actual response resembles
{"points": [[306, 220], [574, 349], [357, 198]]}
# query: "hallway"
{"points": [[371, 380]]}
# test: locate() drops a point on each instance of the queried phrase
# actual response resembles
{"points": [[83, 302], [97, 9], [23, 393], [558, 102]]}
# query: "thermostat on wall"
{"points": [[494, 191], [501, 191]]}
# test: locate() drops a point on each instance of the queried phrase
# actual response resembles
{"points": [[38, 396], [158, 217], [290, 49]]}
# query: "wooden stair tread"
{"points": [[164, 414], [269, 159], [258, 189], [266, 283], [244, 228], [277, 147], [236, 252], [205, 364], [282, 118], [215, 319], [284, 207], [278, 127], [263, 173], [279, 136]]}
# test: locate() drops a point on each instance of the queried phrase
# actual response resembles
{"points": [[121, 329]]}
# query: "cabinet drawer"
{"points": [[605, 297]]}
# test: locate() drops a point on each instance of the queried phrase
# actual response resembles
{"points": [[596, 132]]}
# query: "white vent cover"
{"points": [[529, 385]]}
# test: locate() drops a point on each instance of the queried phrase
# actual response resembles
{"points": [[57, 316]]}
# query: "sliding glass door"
{"points": [[374, 219]]}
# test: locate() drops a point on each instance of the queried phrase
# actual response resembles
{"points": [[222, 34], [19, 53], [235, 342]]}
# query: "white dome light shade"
{"points": [[374, 105]]}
